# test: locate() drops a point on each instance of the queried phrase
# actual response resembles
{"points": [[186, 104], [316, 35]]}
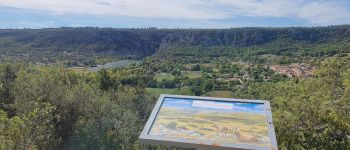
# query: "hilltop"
{"points": [[82, 44]]}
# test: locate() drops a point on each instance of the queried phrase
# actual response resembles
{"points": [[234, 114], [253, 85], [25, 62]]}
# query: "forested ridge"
{"points": [[58, 44], [50, 98]]}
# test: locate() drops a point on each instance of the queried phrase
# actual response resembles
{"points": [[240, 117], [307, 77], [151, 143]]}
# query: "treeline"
{"points": [[79, 44], [276, 52]]}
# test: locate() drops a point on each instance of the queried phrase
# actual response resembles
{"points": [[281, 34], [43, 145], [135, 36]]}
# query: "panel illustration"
{"points": [[217, 121]]}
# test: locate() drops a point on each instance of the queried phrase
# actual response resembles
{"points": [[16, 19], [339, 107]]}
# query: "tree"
{"points": [[104, 81], [310, 113], [32, 130], [8, 74], [196, 67]]}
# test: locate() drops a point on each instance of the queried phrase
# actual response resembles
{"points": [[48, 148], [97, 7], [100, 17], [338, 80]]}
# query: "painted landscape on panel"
{"points": [[216, 121]]}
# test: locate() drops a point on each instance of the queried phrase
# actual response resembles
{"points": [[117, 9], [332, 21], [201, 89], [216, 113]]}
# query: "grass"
{"points": [[192, 74], [116, 64], [159, 77], [218, 93], [158, 91], [80, 70]]}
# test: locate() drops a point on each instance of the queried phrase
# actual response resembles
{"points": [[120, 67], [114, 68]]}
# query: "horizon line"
{"points": [[179, 28]]}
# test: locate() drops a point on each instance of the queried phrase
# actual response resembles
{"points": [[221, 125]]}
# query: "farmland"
{"points": [[217, 93], [158, 91], [192, 74], [163, 76]]}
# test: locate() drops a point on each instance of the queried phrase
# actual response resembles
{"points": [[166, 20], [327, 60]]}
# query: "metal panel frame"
{"points": [[206, 144]]}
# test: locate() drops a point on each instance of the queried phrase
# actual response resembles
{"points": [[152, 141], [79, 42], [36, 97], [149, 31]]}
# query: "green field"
{"points": [[192, 74], [161, 76], [80, 70], [158, 91], [116, 64], [218, 93]]}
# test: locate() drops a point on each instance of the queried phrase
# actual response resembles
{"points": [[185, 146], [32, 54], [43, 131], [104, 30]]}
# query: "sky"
{"points": [[213, 105], [172, 13]]}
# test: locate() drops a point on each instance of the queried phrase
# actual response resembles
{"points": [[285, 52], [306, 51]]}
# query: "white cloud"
{"points": [[256, 7], [178, 101], [34, 25], [325, 13], [132, 8], [212, 104], [246, 109], [318, 12]]}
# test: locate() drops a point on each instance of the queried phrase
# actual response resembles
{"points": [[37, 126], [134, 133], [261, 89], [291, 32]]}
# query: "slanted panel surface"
{"points": [[216, 122]]}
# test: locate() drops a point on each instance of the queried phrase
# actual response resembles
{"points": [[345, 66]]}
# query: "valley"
{"points": [[94, 88]]}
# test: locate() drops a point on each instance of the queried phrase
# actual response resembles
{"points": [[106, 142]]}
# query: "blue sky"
{"points": [[213, 105], [172, 13]]}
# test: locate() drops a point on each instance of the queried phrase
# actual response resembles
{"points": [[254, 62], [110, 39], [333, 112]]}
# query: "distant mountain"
{"points": [[30, 43]]}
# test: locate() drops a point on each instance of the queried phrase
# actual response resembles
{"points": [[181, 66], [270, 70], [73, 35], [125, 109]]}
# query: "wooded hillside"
{"points": [[36, 45]]}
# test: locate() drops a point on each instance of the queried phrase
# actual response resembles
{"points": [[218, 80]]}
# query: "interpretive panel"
{"points": [[210, 123]]}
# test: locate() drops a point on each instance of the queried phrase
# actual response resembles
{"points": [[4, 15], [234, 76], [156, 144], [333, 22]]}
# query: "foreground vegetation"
{"points": [[56, 108]]}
